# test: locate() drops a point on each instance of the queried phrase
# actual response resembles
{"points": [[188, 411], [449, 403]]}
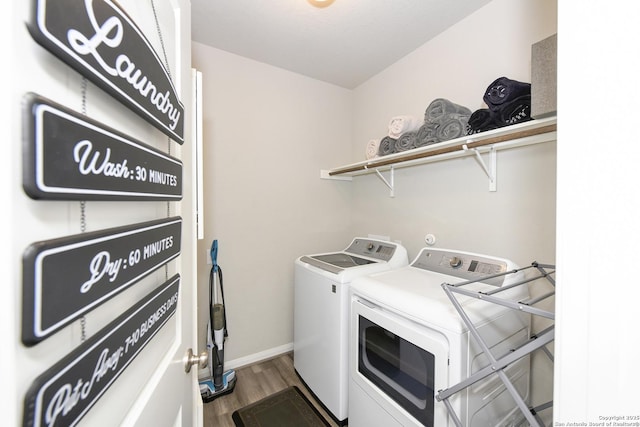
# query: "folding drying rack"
{"points": [[497, 364]]}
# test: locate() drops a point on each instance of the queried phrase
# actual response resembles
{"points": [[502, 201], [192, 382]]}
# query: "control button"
{"points": [[370, 246], [455, 262]]}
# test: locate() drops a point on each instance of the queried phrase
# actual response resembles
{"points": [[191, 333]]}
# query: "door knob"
{"points": [[191, 359]]}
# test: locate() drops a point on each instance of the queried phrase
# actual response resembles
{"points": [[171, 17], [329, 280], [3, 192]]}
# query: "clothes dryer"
{"points": [[408, 342], [321, 315]]}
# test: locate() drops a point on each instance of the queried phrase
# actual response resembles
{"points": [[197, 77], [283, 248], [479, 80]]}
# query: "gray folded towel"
{"points": [[407, 141], [427, 134], [452, 126], [387, 146], [447, 119], [443, 120], [441, 107]]}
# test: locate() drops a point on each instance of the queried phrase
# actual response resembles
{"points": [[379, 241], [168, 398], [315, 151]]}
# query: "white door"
{"points": [[153, 388]]}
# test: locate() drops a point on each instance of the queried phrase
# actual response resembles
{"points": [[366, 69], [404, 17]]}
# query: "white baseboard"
{"points": [[258, 357], [250, 359]]}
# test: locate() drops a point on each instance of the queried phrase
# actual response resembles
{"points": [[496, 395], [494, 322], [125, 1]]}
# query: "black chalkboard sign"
{"points": [[64, 393], [68, 156], [102, 43], [66, 277]]}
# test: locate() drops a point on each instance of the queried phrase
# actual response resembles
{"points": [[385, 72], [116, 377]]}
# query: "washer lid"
{"points": [[336, 262], [342, 260], [363, 256]]}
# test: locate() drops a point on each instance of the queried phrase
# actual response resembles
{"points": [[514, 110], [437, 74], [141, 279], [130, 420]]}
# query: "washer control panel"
{"points": [[372, 248], [459, 264]]}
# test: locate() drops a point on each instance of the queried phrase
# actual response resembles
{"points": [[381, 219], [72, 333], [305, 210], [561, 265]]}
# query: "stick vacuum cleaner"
{"points": [[219, 382]]}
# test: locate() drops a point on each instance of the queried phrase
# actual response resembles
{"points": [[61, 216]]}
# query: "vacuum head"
{"points": [[208, 391]]}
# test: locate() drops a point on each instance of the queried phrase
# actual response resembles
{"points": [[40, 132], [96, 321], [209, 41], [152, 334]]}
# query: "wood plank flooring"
{"points": [[254, 383]]}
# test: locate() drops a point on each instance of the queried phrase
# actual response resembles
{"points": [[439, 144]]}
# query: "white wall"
{"points": [[451, 199], [597, 355], [267, 134], [458, 65]]}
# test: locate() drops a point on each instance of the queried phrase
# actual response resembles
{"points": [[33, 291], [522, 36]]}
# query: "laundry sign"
{"points": [[66, 277], [68, 156], [64, 393], [102, 43]]}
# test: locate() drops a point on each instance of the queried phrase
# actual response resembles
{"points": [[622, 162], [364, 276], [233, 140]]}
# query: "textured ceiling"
{"points": [[344, 44]]}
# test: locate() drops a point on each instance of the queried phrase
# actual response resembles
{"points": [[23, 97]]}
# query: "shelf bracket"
{"points": [[390, 183], [489, 171]]}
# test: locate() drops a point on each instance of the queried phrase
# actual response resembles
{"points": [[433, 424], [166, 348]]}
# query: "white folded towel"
{"points": [[372, 149], [402, 124]]}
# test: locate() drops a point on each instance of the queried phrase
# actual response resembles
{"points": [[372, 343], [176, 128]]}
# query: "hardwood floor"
{"points": [[254, 383]]}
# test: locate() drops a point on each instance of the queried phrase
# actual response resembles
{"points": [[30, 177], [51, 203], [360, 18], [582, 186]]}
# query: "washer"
{"points": [[408, 342], [321, 315]]}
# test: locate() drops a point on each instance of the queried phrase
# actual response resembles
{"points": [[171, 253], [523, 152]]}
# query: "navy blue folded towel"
{"points": [[508, 102], [515, 111], [504, 90], [480, 121]]}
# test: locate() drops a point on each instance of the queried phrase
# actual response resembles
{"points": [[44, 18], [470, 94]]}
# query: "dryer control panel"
{"points": [[372, 248], [464, 265]]}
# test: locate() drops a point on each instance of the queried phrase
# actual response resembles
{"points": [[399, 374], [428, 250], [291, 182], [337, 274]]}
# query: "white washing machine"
{"points": [[408, 342], [321, 315]]}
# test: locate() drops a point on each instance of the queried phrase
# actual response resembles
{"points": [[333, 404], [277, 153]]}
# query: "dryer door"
{"points": [[399, 363]]}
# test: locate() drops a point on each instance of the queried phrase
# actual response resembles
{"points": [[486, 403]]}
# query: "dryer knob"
{"points": [[370, 246], [455, 262]]}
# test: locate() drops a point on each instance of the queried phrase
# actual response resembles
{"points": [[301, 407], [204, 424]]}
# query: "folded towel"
{"points": [[427, 134], [387, 146], [443, 120], [452, 126], [480, 121], [372, 149], [441, 107], [407, 141], [515, 111], [401, 124], [509, 102], [503, 90]]}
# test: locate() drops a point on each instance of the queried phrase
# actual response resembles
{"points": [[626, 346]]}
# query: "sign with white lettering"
{"points": [[102, 43], [68, 156], [64, 393], [66, 277]]}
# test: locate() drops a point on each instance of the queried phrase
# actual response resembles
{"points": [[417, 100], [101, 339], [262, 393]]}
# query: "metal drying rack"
{"points": [[497, 364]]}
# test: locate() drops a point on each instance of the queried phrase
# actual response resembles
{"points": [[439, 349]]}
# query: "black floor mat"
{"points": [[286, 408]]}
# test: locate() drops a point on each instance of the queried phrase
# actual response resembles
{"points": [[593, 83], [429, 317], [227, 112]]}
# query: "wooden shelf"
{"points": [[531, 132]]}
